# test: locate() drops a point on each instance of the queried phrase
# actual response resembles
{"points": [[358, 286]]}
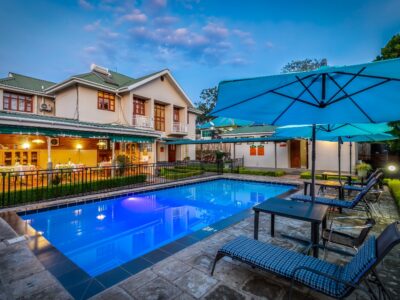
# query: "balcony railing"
{"points": [[141, 121], [179, 127]]}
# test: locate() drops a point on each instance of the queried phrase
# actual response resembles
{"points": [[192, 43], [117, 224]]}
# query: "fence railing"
{"points": [[20, 187], [141, 121]]}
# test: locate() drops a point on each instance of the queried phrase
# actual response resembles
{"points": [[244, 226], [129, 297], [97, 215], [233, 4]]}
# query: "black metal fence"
{"points": [[21, 187]]}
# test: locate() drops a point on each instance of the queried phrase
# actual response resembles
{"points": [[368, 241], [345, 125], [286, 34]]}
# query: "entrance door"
{"points": [[171, 153], [295, 157]]}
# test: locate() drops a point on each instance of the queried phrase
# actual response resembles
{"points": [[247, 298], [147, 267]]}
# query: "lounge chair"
{"points": [[339, 203], [324, 277], [359, 187], [368, 179]]}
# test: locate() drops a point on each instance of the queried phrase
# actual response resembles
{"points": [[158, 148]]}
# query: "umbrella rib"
{"points": [[307, 89], [366, 75], [355, 93], [346, 84], [294, 98], [261, 94]]}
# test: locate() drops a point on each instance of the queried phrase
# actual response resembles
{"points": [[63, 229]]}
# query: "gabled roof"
{"points": [[26, 83]]}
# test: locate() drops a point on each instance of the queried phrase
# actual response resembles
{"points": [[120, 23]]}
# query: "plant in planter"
{"points": [[122, 161], [363, 169]]}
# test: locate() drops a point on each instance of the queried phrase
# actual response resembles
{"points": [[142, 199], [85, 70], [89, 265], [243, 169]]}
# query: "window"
{"points": [[159, 117], [138, 106], [17, 102], [105, 101], [176, 114]]}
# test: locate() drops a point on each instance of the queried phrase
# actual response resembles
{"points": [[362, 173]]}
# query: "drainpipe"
{"points": [[49, 162]]}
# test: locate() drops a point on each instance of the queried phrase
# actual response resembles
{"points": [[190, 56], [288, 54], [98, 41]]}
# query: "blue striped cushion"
{"points": [[283, 262], [327, 201], [361, 262]]}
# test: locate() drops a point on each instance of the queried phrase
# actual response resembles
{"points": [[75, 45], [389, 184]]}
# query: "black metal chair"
{"points": [[335, 233]]}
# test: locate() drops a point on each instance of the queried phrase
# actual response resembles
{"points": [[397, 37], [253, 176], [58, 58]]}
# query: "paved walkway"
{"points": [[186, 274]]}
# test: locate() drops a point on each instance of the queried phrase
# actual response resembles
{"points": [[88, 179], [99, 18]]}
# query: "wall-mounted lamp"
{"points": [[79, 147], [26, 146], [38, 141]]}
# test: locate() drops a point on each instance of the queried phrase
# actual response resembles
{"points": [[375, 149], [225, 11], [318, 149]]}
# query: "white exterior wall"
{"points": [[65, 103], [327, 156], [265, 161], [191, 152]]}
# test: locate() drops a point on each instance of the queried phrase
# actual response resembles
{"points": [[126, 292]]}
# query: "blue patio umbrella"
{"points": [[365, 93], [335, 133]]}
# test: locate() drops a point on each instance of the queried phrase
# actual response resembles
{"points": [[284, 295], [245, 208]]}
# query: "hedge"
{"points": [[261, 172], [394, 186], [307, 175], [55, 191], [177, 175]]}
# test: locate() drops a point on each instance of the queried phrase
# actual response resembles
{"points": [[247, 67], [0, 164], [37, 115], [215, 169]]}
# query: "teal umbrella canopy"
{"points": [[372, 138], [225, 122], [333, 132], [365, 93]]}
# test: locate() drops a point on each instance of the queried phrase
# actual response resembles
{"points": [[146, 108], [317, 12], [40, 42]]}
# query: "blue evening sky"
{"points": [[201, 41]]}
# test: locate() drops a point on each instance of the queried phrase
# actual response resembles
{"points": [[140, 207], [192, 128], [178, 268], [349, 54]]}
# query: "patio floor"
{"points": [[186, 274]]}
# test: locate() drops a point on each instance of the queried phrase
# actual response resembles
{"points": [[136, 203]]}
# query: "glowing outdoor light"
{"points": [[101, 217], [392, 168], [25, 146], [79, 147]]}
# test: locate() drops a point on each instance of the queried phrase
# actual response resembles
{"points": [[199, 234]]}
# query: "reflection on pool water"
{"points": [[103, 235]]}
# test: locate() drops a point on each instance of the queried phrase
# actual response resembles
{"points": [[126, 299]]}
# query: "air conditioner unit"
{"points": [[55, 142], [45, 107]]}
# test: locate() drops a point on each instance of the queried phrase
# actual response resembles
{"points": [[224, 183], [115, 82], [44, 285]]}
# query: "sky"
{"points": [[202, 42]]}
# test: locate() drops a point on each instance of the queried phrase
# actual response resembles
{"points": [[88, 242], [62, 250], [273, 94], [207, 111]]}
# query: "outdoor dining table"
{"points": [[325, 184], [309, 212], [348, 176]]}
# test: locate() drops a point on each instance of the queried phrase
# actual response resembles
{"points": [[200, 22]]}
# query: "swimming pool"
{"points": [[103, 235]]}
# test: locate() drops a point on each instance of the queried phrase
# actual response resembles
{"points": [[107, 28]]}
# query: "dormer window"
{"points": [[105, 101], [17, 102]]}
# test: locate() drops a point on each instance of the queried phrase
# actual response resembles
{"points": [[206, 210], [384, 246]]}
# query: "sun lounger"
{"points": [[324, 277]]}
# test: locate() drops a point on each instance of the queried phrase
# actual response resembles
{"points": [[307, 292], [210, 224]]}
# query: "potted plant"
{"points": [[363, 169]]}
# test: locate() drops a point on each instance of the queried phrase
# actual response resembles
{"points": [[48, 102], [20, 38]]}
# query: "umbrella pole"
{"points": [[339, 158], [313, 163], [351, 145], [275, 158]]}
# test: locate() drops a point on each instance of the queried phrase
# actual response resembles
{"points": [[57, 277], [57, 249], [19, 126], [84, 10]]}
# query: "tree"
{"points": [[304, 65], [392, 50], [208, 99]]}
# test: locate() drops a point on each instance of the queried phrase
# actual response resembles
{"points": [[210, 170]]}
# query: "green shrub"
{"points": [[394, 186], [177, 175], [277, 173], [66, 189]]}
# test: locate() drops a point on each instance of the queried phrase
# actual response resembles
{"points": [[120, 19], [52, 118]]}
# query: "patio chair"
{"points": [[339, 203], [335, 233], [358, 186], [321, 276]]}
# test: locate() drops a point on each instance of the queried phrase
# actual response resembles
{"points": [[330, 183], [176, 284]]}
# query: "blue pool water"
{"points": [[103, 235]]}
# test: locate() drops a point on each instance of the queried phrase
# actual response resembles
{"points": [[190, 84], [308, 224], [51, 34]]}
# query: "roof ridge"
{"points": [[30, 77]]}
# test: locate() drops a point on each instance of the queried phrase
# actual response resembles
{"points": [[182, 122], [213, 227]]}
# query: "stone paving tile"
{"points": [[55, 291], [261, 287], [136, 281], [171, 268], [232, 274], [30, 285], [223, 292], [201, 261], [196, 283], [115, 292], [157, 289]]}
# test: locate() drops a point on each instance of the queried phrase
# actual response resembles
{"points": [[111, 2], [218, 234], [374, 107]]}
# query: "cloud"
{"points": [[269, 45], [90, 49], [189, 4], [214, 30], [85, 4], [93, 26], [136, 16], [166, 20]]}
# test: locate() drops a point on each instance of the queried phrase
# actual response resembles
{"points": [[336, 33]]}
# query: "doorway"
{"points": [[295, 154], [171, 153]]}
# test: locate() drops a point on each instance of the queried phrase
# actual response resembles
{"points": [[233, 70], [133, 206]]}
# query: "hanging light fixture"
{"points": [[38, 141]]}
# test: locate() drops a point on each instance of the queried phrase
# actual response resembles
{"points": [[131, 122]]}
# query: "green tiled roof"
{"points": [[252, 129], [115, 81], [25, 82]]}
